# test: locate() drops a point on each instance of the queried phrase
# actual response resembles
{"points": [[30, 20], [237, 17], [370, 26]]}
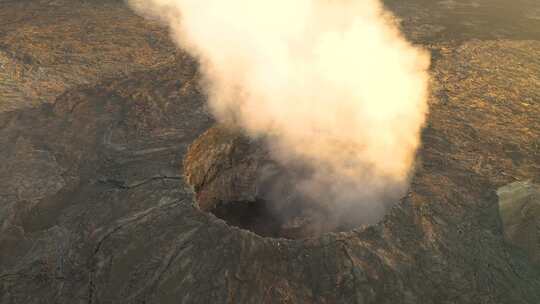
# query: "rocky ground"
{"points": [[48, 47], [97, 111]]}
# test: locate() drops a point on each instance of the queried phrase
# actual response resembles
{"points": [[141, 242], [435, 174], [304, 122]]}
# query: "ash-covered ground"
{"points": [[98, 109]]}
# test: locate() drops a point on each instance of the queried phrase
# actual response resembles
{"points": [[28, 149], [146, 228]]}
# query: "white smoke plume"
{"points": [[332, 83]]}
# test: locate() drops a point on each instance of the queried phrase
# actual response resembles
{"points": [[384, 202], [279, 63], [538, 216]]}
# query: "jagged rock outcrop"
{"points": [[519, 206], [223, 166]]}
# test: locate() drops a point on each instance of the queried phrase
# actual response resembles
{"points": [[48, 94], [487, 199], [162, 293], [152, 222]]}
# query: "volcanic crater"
{"points": [[236, 179], [93, 209]]}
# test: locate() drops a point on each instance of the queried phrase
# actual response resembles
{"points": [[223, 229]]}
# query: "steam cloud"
{"points": [[332, 83]]}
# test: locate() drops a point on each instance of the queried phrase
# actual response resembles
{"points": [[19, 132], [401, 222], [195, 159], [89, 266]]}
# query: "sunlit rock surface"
{"points": [[95, 208], [222, 166], [50, 46]]}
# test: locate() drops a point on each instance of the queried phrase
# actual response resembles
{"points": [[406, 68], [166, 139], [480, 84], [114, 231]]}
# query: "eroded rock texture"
{"points": [[519, 205], [95, 209], [223, 166]]}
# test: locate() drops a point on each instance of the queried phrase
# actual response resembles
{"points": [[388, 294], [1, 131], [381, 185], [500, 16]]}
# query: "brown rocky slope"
{"points": [[94, 207]]}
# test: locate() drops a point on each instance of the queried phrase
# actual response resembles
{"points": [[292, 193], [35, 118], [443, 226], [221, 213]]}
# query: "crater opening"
{"points": [[235, 179], [258, 216]]}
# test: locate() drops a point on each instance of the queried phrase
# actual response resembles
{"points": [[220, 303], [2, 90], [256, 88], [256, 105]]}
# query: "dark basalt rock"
{"points": [[94, 207]]}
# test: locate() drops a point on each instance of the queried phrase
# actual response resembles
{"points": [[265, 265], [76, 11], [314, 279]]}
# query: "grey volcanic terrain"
{"points": [[98, 110]]}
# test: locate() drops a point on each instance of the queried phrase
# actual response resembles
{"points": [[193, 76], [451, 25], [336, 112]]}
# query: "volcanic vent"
{"points": [[312, 87], [235, 178]]}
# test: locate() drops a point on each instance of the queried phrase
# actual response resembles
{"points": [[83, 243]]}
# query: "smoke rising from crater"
{"points": [[331, 83]]}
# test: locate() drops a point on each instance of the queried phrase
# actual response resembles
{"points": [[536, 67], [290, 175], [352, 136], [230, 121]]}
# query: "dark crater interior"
{"points": [[299, 220], [255, 216]]}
